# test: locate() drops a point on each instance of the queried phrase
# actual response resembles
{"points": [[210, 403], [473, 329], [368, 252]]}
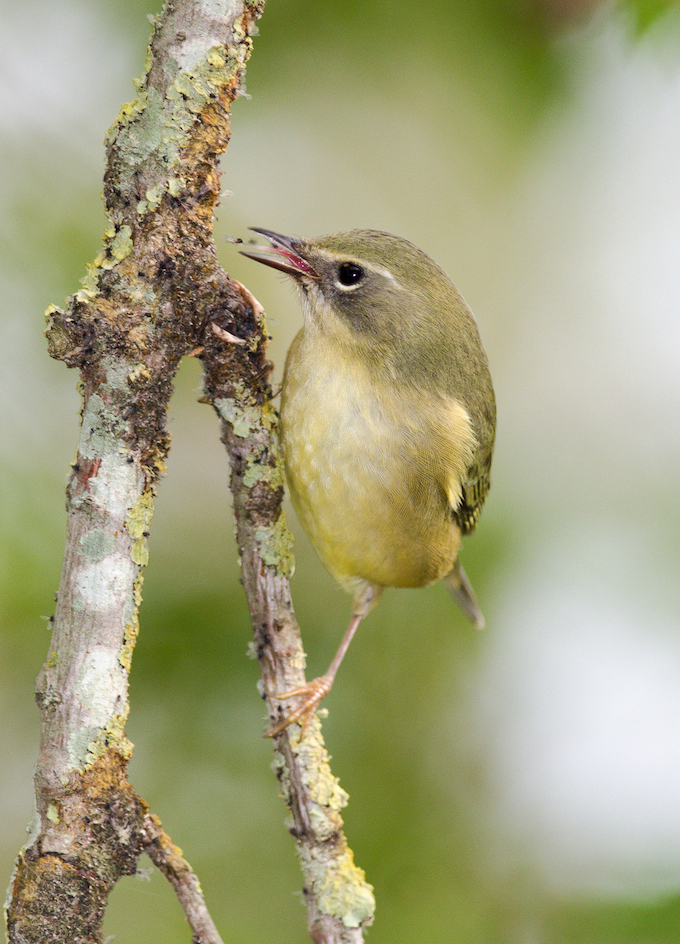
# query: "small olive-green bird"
{"points": [[387, 420]]}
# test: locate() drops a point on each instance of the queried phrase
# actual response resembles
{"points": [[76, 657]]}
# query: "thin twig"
{"points": [[168, 859]]}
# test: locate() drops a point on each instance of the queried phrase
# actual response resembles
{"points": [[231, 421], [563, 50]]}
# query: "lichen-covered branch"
{"points": [[144, 303], [339, 900], [155, 293]]}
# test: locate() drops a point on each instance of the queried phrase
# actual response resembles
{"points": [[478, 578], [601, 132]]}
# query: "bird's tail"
{"points": [[461, 588]]}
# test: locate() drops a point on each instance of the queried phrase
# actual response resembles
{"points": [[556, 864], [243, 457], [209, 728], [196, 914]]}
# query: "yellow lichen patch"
{"points": [[137, 589], [176, 185], [117, 247], [137, 525], [115, 734], [132, 626], [139, 372], [215, 58], [325, 792], [130, 639], [90, 283], [112, 736], [130, 110], [345, 893], [52, 814], [154, 195], [139, 552]]}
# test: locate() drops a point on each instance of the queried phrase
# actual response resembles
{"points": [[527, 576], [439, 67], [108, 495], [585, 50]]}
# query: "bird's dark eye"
{"points": [[350, 273]]}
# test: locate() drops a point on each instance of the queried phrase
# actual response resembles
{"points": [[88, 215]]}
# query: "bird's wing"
{"points": [[466, 465], [445, 466], [474, 490], [444, 470]]}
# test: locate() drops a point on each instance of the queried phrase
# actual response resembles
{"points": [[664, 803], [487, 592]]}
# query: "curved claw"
{"points": [[312, 692]]}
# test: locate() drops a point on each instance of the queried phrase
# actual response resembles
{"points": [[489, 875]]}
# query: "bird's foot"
{"points": [[312, 693]]}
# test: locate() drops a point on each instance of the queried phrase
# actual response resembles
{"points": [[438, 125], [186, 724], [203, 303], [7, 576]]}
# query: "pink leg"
{"points": [[313, 692]]}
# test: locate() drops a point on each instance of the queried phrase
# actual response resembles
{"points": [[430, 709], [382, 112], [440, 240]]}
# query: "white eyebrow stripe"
{"points": [[381, 270]]}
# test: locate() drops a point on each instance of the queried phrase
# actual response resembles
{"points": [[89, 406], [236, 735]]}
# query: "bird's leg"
{"points": [[313, 692]]}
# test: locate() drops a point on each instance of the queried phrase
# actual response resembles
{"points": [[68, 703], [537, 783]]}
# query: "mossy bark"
{"points": [[145, 301], [155, 293]]}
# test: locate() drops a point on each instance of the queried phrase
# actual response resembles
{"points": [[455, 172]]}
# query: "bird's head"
{"points": [[375, 294]]}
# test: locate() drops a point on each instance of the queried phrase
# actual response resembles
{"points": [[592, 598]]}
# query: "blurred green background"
{"points": [[517, 786]]}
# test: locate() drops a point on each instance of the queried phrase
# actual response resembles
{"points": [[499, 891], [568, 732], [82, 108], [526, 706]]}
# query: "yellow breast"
{"points": [[373, 469]]}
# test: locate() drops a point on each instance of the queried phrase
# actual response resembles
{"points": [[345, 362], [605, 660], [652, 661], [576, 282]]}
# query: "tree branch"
{"points": [[142, 306], [339, 900], [155, 293]]}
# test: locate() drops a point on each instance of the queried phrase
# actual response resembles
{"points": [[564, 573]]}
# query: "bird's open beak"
{"points": [[284, 254]]}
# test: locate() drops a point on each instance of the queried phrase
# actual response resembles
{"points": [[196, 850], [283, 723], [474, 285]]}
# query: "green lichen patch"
{"points": [[121, 245], [194, 89], [95, 545], [102, 428], [258, 471], [147, 139], [275, 546], [244, 419], [84, 747]]}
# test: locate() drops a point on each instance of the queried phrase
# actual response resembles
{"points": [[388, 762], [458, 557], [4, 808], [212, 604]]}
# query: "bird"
{"points": [[387, 421]]}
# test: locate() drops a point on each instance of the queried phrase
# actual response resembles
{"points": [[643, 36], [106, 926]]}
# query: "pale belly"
{"points": [[356, 479]]}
